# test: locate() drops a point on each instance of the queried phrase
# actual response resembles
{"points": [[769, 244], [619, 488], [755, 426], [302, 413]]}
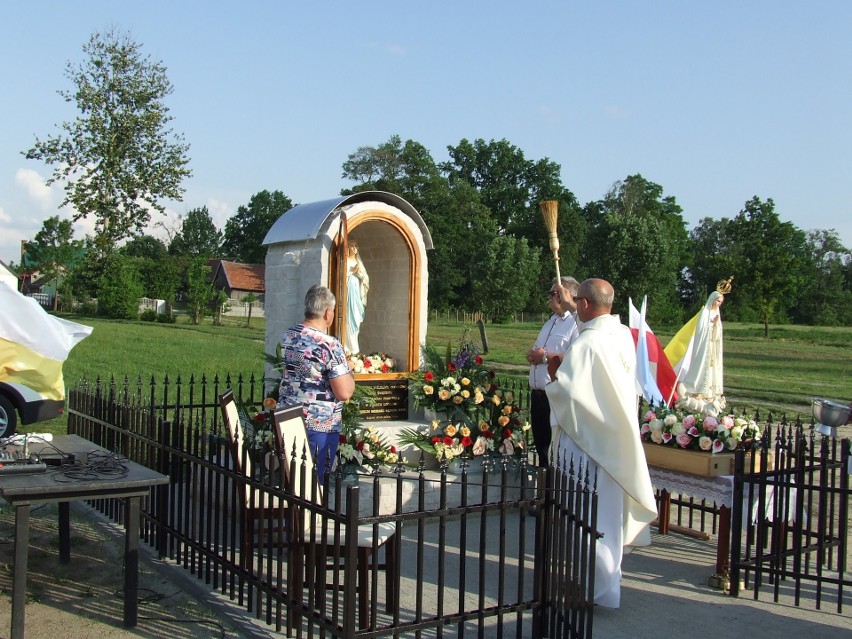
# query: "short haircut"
{"points": [[317, 300], [570, 283], [599, 294]]}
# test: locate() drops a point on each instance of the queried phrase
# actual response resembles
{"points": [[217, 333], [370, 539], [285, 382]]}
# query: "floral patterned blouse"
{"points": [[310, 359]]}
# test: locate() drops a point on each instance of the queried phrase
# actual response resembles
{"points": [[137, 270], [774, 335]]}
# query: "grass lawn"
{"points": [[781, 373]]}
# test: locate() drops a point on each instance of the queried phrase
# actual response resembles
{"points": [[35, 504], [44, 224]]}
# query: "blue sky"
{"points": [[715, 101]]}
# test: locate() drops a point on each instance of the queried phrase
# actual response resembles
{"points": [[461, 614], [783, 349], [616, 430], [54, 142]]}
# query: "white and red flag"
{"points": [[655, 377]]}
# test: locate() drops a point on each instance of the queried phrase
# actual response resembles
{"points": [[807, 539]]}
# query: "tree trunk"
{"points": [[766, 327]]}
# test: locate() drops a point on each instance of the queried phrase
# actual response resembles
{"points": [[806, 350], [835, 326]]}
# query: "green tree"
{"points": [[246, 230], [199, 292], [825, 298], [198, 235], [55, 251], [457, 221], [145, 246], [118, 158], [119, 288], [507, 269], [637, 240], [249, 299], [768, 260], [711, 259]]}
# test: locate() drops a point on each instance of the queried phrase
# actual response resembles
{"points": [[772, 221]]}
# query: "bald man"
{"points": [[594, 403]]}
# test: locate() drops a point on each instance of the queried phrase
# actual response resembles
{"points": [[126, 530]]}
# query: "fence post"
{"points": [[164, 437]]}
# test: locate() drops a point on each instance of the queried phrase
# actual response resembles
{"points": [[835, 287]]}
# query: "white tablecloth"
{"points": [[719, 490]]}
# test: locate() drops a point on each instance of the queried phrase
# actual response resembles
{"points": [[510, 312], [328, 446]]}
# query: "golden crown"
{"points": [[724, 286]]}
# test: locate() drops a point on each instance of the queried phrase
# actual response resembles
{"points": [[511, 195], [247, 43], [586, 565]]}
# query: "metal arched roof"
{"points": [[303, 222]]}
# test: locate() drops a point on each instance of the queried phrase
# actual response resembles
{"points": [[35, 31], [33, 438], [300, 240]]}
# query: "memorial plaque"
{"points": [[390, 395]]}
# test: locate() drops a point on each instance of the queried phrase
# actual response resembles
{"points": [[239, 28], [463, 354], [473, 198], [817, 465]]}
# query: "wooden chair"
{"points": [[259, 510], [300, 479]]}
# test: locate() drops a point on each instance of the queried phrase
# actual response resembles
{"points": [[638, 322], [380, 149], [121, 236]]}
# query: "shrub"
{"points": [[149, 315], [166, 318]]}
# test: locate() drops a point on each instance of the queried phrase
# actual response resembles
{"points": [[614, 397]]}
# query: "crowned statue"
{"points": [[698, 355]]}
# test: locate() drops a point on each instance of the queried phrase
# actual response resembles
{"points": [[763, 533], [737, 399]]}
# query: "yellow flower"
{"points": [[450, 430], [509, 396], [483, 426], [495, 400], [479, 397], [428, 390], [507, 410], [458, 399], [502, 420], [269, 402], [443, 394], [465, 431], [465, 381], [465, 393]]}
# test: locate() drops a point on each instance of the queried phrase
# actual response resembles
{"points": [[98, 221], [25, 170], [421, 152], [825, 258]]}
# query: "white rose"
{"points": [[677, 428], [656, 436], [705, 443], [656, 425], [670, 420]]}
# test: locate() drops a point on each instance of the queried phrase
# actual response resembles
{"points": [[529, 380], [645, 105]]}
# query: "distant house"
{"points": [[9, 276], [238, 280]]}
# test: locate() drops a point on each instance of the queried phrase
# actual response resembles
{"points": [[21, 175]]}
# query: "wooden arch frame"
{"points": [[415, 281]]}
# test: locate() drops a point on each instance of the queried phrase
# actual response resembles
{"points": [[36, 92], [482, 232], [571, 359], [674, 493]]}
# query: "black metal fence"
{"points": [[790, 523], [466, 558]]}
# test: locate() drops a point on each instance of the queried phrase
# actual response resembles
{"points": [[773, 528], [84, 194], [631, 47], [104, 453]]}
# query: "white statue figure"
{"points": [[357, 285], [702, 386]]}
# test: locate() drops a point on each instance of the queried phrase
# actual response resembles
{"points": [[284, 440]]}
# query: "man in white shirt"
{"points": [[553, 340]]}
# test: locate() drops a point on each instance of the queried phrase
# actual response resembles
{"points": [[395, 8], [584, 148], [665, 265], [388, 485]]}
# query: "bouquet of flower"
{"points": [[670, 427], [363, 447], [374, 363], [257, 426], [496, 427], [452, 385]]}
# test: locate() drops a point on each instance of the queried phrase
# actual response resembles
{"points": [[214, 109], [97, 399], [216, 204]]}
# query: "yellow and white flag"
{"points": [[34, 344]]}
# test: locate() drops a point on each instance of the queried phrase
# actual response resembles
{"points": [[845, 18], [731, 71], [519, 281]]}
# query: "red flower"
{"points": [[492, 374], [360, 445], [260, 418], [385, 368], [478, 360], [507, 434], [367, 363], [448, 441], [393, 449], [487, 434], [428, 377], [466, 441], [437, 440], [451, 367], [342, 439]]}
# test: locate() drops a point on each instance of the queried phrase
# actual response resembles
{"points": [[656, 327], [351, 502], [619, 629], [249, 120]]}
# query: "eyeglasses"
{"points": [[552, 294], [578, 297]]}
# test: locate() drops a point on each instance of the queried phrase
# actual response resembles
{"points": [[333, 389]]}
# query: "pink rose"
{"points": [[684, 440], [710, 424], [689, 421], [728, 422], [649, 416]]}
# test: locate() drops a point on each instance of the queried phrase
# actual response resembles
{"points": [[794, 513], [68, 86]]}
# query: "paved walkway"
{"points": [[665, 595]]}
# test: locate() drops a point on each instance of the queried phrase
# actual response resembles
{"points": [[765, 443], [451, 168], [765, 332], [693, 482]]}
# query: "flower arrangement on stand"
{"points": [[363, 448], [690, 431], [474, 417], [375, 363], [257, 426]]}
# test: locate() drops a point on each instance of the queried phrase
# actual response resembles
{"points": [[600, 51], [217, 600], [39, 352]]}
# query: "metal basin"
{"points": [[830, 413]]}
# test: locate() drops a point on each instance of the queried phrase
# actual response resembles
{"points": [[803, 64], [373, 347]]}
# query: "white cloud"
{"points": [[35, 187], [4, 217], [616, 111], [396, 49], [220, 212]]}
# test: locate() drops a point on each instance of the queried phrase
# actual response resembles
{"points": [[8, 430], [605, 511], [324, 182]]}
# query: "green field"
{"points": [[781, 373]]}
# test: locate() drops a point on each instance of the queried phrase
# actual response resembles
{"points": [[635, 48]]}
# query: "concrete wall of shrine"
{"points": [[304, 248]]}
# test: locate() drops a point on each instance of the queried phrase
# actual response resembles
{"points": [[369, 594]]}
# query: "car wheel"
{"points": [[8, 417]]}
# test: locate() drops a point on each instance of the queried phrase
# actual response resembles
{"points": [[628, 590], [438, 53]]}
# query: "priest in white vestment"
{"points": [[594, 403]]}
